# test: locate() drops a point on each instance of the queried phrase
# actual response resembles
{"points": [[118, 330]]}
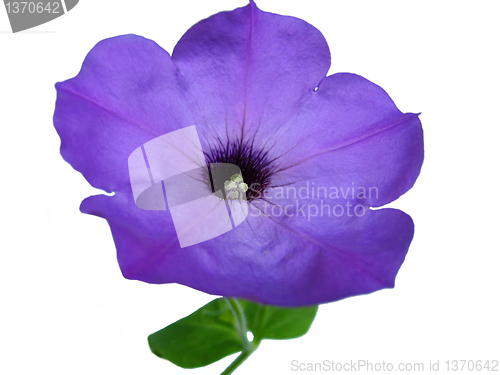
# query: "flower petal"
{"points": [[287, 261], [248, 67], [352, 134], [127, 93]]}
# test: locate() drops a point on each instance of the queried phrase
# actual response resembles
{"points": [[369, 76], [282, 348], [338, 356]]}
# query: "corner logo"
{"points": [[204, 201], [24, 15]]}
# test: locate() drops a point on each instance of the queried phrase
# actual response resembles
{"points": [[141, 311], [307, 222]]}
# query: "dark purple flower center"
{"points": [[255, 165]]}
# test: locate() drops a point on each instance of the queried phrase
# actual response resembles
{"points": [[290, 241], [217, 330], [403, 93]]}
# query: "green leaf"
{"points": [[220, 328], [199, 339], [279, 323]]}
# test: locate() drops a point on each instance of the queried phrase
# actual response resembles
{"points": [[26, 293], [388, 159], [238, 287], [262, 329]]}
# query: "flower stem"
{"points": [[241, 327], [240, 322], [237, 362]]}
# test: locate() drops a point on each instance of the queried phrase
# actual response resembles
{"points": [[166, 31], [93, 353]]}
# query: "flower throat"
{"points": [[256, 169]]}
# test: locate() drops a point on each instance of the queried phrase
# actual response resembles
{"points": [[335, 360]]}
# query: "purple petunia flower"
{"points": [[316, 152]]}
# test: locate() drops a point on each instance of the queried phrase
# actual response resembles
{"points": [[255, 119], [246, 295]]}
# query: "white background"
{"points": [[66, 309]]}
